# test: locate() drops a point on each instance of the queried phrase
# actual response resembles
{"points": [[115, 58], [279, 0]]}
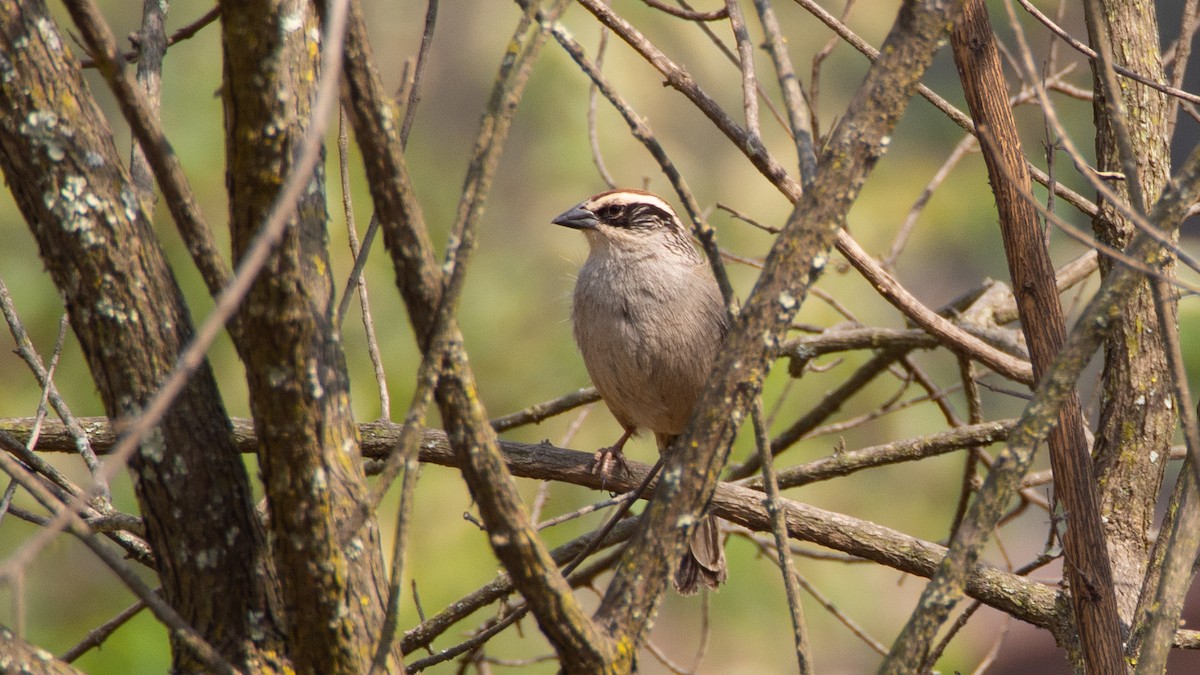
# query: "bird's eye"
{"points": [[611, 212]]}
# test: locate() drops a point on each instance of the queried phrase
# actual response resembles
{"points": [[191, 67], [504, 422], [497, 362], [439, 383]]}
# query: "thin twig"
{"points": [[186, 33], [966, 145], [96, 637], [414, 91], [147, 128], [779, 529], [715, 15], [151, 43], [1091, 54], [29, 354], [74, 524], [542, 411], [857, 630], [593, 132], [1188, 25], [799, 114], [641, 131], [955, 115], [746, 64], [343, 141]]}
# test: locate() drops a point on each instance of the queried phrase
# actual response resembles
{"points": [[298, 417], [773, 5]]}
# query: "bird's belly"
{"points": [[626, 362]]}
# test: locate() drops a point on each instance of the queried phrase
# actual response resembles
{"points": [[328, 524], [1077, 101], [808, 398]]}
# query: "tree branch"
{"points": [[797, 257], [1033, 282], [420, 282], [68, 179], [946, 586]]}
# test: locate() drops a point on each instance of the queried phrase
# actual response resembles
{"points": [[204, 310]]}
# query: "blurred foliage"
{"points": [[515, 311]]}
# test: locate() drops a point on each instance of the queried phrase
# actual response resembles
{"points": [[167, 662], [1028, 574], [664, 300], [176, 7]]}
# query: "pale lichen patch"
{"points": [[7, 72], [206, 559], [49, 34], [290, 23], [108, 308], [153, 447], [314, 380]]}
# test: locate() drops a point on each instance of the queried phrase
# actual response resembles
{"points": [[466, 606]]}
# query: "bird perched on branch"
{"points": [[649, 320]]}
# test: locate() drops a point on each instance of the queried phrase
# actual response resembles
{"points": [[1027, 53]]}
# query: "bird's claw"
{"points": [[608, 459]]}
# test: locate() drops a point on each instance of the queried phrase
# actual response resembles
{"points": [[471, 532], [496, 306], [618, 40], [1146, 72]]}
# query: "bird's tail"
{"points": [[703, 564]]}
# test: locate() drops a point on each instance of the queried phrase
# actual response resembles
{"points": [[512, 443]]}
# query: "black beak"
{"points": [[578, 218]]}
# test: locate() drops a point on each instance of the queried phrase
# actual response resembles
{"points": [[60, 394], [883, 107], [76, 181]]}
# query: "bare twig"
{"points": [[593, 132], [1188, 26], [147, 129], [715, 15], [164, 612], [799, 114], [541, 411], [151, 43], [1091, 54], [1042, 321], [385, 401], [779, 530], [186, 33], [955, 115], [746, 64], [27, 352], [96, 637]]}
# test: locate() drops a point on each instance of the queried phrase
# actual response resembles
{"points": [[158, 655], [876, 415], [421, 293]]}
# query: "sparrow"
{"points": [[649, 320]]}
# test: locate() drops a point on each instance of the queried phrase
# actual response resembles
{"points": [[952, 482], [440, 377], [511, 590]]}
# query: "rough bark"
{"points": [[1137, 417], [1089, 573], [18, 656], [797, 257], [581, 647], [334, 592], [66, 174]]}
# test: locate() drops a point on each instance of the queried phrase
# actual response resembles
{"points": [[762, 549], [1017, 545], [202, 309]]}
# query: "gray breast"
{"points": [[648, 340]]}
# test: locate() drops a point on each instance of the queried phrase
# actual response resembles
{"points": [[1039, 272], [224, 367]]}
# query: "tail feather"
{"points": [[703, 564]]}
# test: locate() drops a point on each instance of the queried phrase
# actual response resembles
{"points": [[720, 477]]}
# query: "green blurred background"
{"points": [[516, 304]]}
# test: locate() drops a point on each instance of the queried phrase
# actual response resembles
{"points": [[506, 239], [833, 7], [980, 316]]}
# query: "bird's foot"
{"points": [[607, 461]]}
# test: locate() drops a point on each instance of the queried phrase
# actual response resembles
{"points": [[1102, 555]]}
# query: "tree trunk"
{"points": [[1138, 417], [333, 583], [62, 166]]}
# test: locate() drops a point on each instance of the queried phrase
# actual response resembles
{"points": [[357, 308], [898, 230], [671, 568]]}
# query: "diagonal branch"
{"points": [[1040, 415], [1032, 273], [513, 538], [66, 174], [800, 253]]}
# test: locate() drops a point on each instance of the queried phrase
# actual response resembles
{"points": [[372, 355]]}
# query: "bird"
{"points": [[649, 319]]}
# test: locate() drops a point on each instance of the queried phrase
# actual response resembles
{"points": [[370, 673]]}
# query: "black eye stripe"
{"points": [[634, 215], [651, 211]]}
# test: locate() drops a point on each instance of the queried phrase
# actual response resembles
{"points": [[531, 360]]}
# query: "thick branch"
{"points": [[296, 372], [1137, 419], [945, 589], [1033, 282], [1029, 601], [420, 282], [799, 254], [60, 161]]}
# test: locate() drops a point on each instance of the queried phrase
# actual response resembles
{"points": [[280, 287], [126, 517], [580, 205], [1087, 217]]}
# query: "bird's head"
{"points": [[628, 220]]}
